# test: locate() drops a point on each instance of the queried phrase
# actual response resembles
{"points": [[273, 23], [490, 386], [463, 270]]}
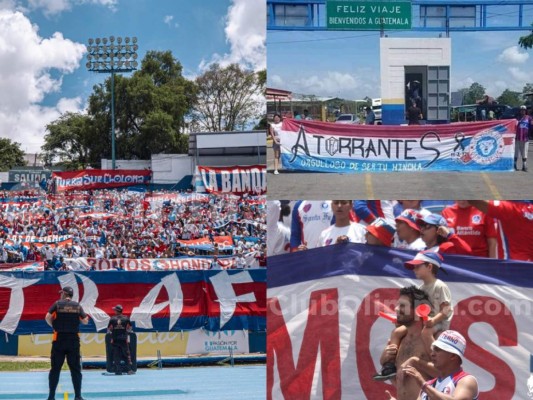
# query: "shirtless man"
{"points": [[411, 351]]}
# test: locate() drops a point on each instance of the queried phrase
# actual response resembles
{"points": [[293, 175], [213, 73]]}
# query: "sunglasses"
{"points": [[427, 226]]}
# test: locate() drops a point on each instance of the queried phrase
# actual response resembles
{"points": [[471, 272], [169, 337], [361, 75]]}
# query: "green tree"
{"points": [[528, 88], [474, 93], [526, 42], [150, 108], [229, 98], [513, 99], [11, 155], [71, 139], [528, 100], [464, 92]]}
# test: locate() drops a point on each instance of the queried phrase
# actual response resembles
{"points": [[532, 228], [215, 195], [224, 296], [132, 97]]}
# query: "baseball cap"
{"points": [[410, 217], [118, 307], [382, 230], [432, 219], [452, 342], [523, 107], [67, 290], [425, 257]]}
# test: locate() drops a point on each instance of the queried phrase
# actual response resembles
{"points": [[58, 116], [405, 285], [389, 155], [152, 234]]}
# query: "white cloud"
{"points": [[332, 83], [246, 33], [461, 84], [8, 4], [26, 63], [519, 76], [53, 7], [275, 81], [168, 20], [512, 55]]}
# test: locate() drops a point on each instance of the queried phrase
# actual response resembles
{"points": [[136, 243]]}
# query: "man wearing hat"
{"points": [[447, 354], [379, 233], [523, 128], [64, 316], [408, 232], [438, 237], [119, 328]]}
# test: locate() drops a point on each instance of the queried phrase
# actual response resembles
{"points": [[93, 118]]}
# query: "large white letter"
{"points": [[223, 286], [142, 315], [16, 301], [88, 302]]}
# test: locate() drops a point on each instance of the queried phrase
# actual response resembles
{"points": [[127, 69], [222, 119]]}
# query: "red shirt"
{"points": [[471, 225], [516, 219], [455, 245]]}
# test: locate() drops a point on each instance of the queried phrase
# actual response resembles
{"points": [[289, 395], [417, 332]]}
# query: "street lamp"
{"points": [[111, 55]]}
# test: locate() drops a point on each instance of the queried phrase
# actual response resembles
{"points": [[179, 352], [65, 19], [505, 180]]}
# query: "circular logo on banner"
{"points": [[486, 147]]}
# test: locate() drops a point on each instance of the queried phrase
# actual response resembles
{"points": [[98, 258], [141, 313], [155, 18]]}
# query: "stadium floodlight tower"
{"points": [[109, 56]]}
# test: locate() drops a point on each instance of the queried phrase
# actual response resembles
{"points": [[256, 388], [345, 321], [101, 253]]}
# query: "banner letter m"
{"points": [[320, 336]]}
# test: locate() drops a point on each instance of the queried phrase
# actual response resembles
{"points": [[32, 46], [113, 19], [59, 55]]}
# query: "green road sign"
{"points": [[368, 15]]}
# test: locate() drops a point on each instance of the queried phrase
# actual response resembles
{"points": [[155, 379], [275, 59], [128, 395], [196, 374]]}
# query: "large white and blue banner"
{"points": [[324, 335], [329, 147]]}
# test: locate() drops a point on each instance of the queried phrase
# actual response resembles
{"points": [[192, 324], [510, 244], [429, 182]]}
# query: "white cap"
{"points": [[452, 342]]}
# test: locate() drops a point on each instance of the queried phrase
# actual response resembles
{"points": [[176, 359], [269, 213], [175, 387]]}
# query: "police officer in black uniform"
{"points": [[64, 316], [119, 328]]}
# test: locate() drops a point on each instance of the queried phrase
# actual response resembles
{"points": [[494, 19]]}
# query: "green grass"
{"points": [[17, 366]]}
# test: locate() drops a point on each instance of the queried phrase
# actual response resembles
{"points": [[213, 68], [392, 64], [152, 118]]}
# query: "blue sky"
{"points": [[43, 56], [346, 64]]}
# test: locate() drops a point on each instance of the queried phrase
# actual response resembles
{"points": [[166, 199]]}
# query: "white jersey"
{"points": [[355, 232], [447, 385], [417, 245], [309, 219]]}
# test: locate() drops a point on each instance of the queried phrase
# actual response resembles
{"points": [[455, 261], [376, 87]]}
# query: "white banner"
{"points": [[161, 264], [202, 342], [325, 337]]}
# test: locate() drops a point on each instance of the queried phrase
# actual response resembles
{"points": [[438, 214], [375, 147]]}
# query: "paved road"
{"points": [[401, 185]]}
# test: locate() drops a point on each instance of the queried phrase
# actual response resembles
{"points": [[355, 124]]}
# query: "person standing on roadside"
{"points": [[274, 131], [523, 127]]}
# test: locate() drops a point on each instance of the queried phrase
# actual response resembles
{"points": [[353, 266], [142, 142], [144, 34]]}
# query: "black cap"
{"points": [[68, 291], [118, 307]]}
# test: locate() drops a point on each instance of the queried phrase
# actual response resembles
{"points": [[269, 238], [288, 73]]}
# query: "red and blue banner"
{"points": [[329, 147], [99, 179], [40, 241], [324, 336], [155, 301], [239, 180]]}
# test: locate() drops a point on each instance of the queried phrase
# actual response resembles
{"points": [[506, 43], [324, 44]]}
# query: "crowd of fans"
{"points": [[495, 229], [110, 224]]}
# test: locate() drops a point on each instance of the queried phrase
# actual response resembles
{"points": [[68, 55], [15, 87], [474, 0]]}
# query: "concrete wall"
{"points": [[171, 168], [125, 164], [398, 53], [166, 168], [223, 149]]}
